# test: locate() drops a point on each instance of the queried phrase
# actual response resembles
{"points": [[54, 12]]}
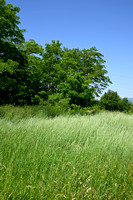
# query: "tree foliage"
{"points": [[111, 101], [9, 21], [30, 74], [13, 62]]}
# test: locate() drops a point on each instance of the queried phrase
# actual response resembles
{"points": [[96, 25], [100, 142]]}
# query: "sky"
{"points": [[105, 24]]}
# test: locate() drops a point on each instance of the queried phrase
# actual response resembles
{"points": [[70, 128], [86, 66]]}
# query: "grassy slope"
{"points": [[77, 157]]}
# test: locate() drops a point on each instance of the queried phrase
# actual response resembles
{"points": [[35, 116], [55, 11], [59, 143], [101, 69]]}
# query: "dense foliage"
{"points": [[111, 101], [13, 61], [53, 75], [30, 74]]}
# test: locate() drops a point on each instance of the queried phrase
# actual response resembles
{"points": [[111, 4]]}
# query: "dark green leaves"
{"points": [[9, 21], [30, 74]]}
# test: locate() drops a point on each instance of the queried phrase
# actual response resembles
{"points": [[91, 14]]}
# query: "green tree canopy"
{"points": [[30, 74], [77, 75], [111, 101], [9, 21], [13, 61]]}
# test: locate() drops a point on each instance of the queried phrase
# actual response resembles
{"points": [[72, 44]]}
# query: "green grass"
{"points": [[67, 157]]}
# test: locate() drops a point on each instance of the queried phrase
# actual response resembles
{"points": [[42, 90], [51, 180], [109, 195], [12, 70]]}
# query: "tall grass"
{"points": [[12, 112], [67, 157]]}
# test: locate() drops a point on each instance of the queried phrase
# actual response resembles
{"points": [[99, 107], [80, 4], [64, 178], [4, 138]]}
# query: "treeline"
{"points": [[32, 75]]}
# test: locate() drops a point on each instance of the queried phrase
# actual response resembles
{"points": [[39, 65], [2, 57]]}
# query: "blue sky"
{"points": [[105, 24]]}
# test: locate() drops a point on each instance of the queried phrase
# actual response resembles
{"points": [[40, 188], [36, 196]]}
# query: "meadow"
{"points": [[70, 157]]}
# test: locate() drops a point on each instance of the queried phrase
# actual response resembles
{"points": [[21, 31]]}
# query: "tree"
{"points": [[35, 90], [71, 74], [13, 61], [111, 101], [82, 76], [94, 68], [126, 106], [30, 74], [9, 21], [51, 67]]}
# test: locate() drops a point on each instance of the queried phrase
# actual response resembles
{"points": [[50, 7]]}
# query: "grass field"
{"points": [[67, 157]]}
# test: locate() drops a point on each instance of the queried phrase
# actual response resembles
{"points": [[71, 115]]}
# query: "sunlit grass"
{"points": [[71, 157]]}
